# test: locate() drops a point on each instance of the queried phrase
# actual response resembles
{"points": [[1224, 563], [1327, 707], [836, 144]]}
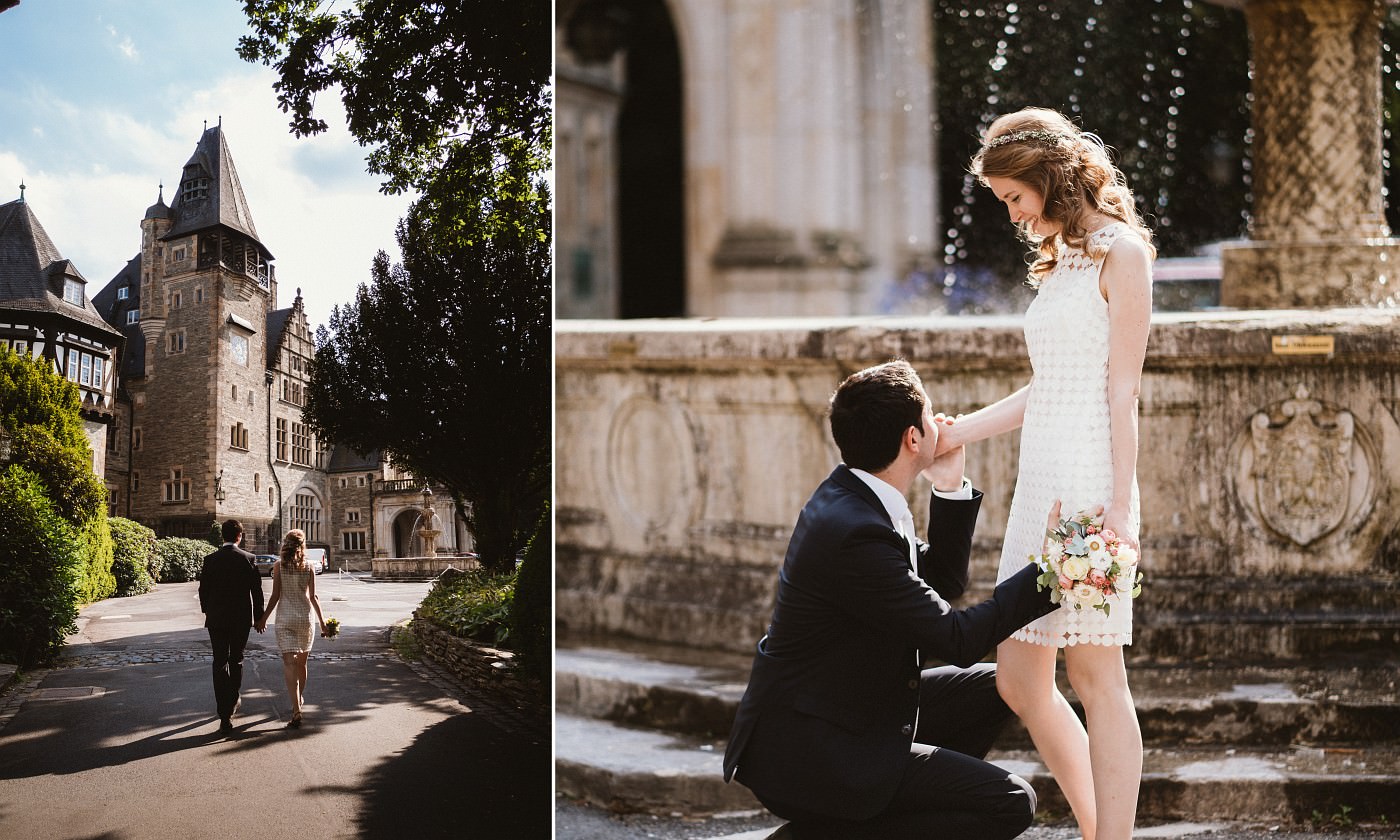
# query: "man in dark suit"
{"points": [[231, 596], [841, 731]]}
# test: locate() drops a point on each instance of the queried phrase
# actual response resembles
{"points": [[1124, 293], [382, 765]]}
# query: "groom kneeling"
{"points": [[840, 731]]}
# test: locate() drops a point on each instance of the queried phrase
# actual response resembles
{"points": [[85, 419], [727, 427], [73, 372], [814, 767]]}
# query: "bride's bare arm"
{"points": [[1126, 282], [1001, 416]]}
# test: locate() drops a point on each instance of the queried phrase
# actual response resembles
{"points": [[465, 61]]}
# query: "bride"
{"points": [[1086, 332]]}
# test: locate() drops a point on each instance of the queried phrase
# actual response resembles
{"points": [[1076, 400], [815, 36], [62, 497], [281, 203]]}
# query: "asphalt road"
{"points": [[120, 741]]}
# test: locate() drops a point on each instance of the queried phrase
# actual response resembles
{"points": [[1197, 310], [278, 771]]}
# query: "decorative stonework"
{"points": [[1303, 465], [651, 466]]}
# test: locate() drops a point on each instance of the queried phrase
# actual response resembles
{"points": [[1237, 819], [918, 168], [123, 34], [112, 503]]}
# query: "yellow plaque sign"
{"points": [[1304, 345]]}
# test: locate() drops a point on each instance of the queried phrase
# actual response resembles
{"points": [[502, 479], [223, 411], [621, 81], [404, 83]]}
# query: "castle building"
{"points": [[45, 313], [208, 420]]}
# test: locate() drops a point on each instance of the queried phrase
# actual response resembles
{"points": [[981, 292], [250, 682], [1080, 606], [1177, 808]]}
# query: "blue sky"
{"points": [[102, 100]]}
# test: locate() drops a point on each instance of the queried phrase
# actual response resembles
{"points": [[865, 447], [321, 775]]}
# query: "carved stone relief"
{"points": [[1304, 468], [650, 462]]}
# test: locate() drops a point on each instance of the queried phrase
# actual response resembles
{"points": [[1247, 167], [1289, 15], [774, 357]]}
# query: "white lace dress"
{"points": [[1065, 440]]}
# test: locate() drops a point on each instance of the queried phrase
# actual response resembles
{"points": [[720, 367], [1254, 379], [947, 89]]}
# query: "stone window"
{"points": [[133, 316], [238, 436], [177, 487], [344, 482], [257, 482], [301, 445], [352, 540], [113, 500], [178, 254], [359, 481], [112, 436], [320, 455], [73, 291], [352, 515], [199, 294], [306, 515], [135, 481], [281, 439], [269, 496], [286, 388], [175, 342], [136, 438], [235, 392], [176, 299]]}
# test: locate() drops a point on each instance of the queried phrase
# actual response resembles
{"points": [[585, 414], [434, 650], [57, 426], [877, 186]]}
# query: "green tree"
{"points": [[41, 567], [443, 361], [42, 412], [419, 80]]}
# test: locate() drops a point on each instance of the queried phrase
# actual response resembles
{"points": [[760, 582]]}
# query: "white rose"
{"points": [[1075, 567], [1086, 596], [1127, 578]]}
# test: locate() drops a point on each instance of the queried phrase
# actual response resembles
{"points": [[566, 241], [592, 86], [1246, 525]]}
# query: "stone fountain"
{"points": [[426, 564]]}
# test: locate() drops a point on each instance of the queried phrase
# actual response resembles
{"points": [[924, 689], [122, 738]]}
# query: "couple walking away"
{"points": [[842, 731], [231, 597]]}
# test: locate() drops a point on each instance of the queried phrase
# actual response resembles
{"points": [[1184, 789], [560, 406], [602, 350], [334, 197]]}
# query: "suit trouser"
{"points": [[946, 791], [228, 644]]}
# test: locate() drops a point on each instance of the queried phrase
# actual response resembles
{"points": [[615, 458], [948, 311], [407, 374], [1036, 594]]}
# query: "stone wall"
{"points": [[484, 668], [1269, 477]]}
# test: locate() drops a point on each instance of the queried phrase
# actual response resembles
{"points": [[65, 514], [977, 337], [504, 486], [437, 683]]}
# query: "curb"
{"points": [[7, 676]]}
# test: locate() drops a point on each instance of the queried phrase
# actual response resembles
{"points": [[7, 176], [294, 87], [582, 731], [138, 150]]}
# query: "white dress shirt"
{"points": [[897, 507]]}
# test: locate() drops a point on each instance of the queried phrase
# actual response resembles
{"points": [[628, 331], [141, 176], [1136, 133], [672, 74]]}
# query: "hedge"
{"points": [[179, 559], [41, 566], [133, 551]]}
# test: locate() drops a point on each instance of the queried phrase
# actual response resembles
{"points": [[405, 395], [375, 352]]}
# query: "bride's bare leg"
{"points": [[1115, 741], [1026, 681]]}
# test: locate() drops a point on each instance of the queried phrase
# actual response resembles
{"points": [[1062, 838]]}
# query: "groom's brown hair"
{"points": [[870, 411]]}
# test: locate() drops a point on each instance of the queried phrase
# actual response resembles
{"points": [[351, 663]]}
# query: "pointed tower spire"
{"points": [[21, 190]]}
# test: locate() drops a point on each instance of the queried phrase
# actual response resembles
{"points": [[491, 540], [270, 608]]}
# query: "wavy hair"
{"points": [[1072, 172], [293, 551]]}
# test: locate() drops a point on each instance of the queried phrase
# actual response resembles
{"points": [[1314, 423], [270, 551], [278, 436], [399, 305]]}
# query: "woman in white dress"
{"points": [[294, 589], [1086, 332]]}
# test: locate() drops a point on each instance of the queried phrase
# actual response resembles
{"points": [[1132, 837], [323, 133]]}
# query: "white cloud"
{"points": [[314, 207], [125, 45]]}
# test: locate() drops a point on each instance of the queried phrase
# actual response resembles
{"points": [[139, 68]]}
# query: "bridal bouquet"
{"points": [[1087, 565], [332, 628]]}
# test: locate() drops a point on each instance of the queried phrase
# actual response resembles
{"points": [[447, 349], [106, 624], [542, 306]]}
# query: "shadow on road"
{"points": [[463, 777]]}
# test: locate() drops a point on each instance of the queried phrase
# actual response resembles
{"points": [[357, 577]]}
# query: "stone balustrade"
{"points": [[1269, 471]]}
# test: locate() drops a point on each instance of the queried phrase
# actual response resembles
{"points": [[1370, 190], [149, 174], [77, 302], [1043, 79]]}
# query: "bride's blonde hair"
{"points": [[294, 549], [1070, 169]]}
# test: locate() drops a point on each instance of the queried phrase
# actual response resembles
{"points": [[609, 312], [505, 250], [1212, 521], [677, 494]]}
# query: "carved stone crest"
{"points": [[1302, 466]]}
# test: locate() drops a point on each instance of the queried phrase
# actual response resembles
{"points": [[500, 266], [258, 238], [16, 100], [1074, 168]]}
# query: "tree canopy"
{"points": [[443, 360], [418, 80]]}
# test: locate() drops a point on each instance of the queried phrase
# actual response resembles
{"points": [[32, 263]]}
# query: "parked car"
{"points": [[264, 562]]}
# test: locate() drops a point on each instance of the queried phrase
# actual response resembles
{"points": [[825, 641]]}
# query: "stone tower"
{"points": [[200, 414]]}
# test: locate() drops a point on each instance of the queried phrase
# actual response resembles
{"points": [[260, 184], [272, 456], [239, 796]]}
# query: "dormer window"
{"points": [[73, 291], [133, 316], [123, 293], [195, 184]]}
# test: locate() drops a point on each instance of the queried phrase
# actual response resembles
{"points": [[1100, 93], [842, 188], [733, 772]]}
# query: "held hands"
{"points": [[949, 462], [949, 437]]}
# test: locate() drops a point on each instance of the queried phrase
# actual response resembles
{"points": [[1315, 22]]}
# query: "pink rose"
{"points": [[1109, 535], [1065, 583], [1097, 579]]}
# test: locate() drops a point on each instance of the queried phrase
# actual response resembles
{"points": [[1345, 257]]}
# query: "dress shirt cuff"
{"points": [[963, 493]]}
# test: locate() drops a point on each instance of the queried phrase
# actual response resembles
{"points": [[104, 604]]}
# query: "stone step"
{"points": [[632, 770], [1243, 707]]}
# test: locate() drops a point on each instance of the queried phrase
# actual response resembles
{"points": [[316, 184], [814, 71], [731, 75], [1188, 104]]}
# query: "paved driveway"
{"points": [[120, 741]]}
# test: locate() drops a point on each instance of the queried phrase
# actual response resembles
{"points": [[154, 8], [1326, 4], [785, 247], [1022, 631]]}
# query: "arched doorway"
{"points": [[404, 540], [642, 181], [651, 182]]}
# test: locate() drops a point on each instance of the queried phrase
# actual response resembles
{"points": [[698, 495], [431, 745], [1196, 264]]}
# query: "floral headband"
{"points": [[1027, 134]]}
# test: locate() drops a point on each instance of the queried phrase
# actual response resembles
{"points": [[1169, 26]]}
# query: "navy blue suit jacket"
{"points": [[832, 702]]}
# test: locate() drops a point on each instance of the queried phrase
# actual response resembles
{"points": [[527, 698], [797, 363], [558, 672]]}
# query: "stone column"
{"points": [[1318, 237]]}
